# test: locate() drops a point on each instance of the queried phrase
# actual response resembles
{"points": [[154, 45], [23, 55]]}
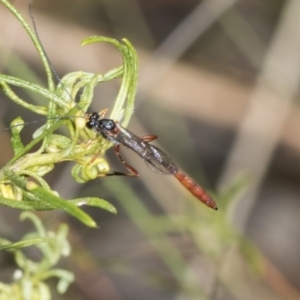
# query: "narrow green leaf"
{"points": [[25, 205], [39, 194], [22, 244], [43, 206], [95, 202]]}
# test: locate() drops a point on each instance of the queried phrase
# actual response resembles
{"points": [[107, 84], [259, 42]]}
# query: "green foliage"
{"points": [[29, 278], [209, 232], [21, 180]]}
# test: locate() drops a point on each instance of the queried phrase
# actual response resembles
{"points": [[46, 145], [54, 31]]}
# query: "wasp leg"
{"points": [[132, 171]]}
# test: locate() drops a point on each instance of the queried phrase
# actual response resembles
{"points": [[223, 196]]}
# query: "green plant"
{"points": [[22, 184], [29, 278]]}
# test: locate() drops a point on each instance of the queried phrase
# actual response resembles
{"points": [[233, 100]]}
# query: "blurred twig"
{"points": [[268, 111], [182, 37]]}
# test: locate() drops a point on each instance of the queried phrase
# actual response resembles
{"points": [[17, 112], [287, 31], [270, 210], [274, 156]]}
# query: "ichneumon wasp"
{"points": [[157, 160]]}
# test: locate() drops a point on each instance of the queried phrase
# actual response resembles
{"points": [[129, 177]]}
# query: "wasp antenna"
{"points": [[38, 37], [9, 128], [22, 124], [41, 120], [45, 53]]}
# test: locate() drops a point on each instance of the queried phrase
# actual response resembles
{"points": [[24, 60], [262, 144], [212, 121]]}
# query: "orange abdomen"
{"points": [[196, 189]]}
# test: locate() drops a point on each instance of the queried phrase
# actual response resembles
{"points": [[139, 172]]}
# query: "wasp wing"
{"points": [[159, 162]]}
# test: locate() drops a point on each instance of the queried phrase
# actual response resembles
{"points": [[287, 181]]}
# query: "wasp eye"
{"points": [[93, 120]]}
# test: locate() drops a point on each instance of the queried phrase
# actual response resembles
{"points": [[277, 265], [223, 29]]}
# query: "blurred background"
{"points": [[219, 85]]}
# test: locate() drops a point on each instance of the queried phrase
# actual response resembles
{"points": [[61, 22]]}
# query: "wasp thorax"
{"points": [[107, 124]]}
